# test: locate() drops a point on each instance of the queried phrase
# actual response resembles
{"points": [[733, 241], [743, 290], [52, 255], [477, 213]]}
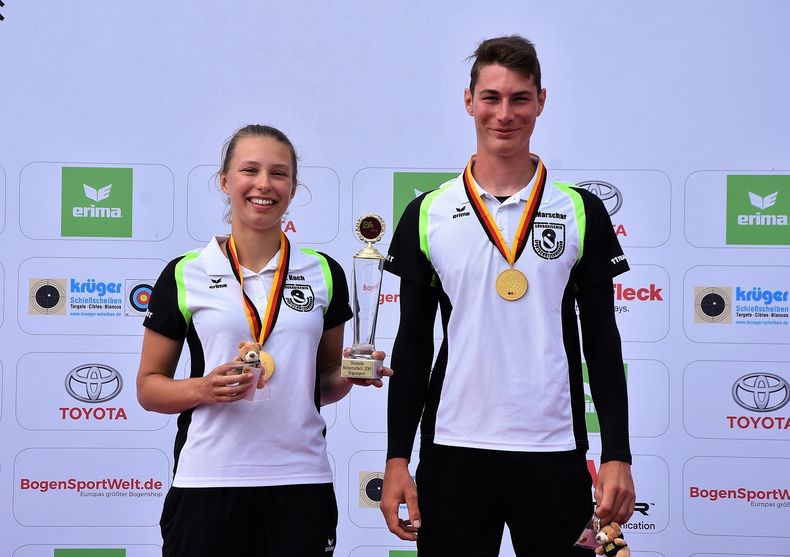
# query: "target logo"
{"points": [[370, 484], [47, 296], [712, 304], [138, 294]]}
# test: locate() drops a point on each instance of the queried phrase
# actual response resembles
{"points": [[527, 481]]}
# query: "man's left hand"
{"points": [[614, 492]]}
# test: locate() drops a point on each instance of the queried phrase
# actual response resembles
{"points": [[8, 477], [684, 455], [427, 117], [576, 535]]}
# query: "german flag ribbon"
{"points": [[261, 329], [489, 224]]}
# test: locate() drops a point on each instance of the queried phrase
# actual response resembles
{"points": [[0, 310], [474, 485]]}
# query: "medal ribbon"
{"points": [[261, 329], [489, 224]]}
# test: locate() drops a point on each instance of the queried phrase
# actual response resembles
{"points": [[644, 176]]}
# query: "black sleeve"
{"points": [[604, 357], [164, 315], [602, 257], [338, 311], [405, 258], [412, 355]]}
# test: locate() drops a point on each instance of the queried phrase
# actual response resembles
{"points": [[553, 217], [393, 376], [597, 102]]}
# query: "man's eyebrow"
{"points": [[524, 92]]}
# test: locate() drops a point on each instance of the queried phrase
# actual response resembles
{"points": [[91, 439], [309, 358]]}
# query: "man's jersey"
{"points": [[278, 437], [513, 378]]}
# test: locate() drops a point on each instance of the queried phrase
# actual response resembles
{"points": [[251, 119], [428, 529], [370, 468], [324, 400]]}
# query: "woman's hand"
{"points": [[378, 383], [227, 382]]}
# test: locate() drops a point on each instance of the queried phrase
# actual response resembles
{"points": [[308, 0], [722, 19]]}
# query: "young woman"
{"points": [[251, 476]]}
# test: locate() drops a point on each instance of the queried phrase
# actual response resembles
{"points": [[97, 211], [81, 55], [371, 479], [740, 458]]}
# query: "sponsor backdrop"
{"points": [[113, 115]]}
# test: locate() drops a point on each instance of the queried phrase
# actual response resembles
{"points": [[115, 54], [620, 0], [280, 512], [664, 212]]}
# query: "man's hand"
{"points": [[399, 488], [614, 492]]}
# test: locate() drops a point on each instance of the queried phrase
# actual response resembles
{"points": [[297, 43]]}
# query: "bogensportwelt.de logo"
{"points": [[736, 496], [96, 202], [89, 486], [758, 208]]}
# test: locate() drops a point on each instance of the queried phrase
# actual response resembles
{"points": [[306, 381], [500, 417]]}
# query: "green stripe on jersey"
{"points": [[181, 286], [325, 270], [425, 206], [581, 215]]}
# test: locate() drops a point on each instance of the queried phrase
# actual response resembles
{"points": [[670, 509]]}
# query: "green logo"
{"points": [[408, 186], [403, 553], [96, 202], [590, 416], [90, 552], [757, 209]]}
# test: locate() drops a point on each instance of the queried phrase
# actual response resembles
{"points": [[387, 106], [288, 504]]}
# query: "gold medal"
{"points": [[267, 365], [511, 284]]}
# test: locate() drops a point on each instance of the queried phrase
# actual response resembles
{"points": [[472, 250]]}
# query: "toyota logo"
{"points": [[606, 192], [94, 383], [761, 392]]}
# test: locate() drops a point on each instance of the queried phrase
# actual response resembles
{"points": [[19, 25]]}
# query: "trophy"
{"points": [[366, 286]]}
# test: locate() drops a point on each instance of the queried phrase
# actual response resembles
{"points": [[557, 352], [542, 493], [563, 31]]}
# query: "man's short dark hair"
{"points": [[514, 53]]}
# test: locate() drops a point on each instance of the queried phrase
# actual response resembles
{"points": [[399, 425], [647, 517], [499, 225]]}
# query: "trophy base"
{"points": [[361, 368]]}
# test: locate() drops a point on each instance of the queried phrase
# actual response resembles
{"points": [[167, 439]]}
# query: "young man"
{"points": [[507, 254]]}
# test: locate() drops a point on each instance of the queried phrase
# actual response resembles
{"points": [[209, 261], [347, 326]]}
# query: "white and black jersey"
{"points": [[277, 438], [509, 375]]}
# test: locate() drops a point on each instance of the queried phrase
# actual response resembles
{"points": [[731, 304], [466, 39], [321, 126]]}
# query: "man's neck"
{"points": [[502, 176]]}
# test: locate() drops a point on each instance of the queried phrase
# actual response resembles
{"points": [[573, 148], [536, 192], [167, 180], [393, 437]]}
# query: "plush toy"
{"points": [[612, 543], [249, 353]]}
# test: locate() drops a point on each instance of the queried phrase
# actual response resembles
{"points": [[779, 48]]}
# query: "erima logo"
{"points": [[461, 211], [763, 202], [759, 219], [94, 212], [330, 545], [217, 283]]}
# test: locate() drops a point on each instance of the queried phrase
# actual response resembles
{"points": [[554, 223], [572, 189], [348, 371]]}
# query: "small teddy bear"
{"points": [[249, 353], [612, 543]]}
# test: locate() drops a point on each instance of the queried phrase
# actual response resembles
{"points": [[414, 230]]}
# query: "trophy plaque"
{"points": [[365, 290]]}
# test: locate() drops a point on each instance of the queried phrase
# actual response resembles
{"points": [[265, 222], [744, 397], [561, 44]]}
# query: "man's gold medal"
{"points": [[511, 284]]}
